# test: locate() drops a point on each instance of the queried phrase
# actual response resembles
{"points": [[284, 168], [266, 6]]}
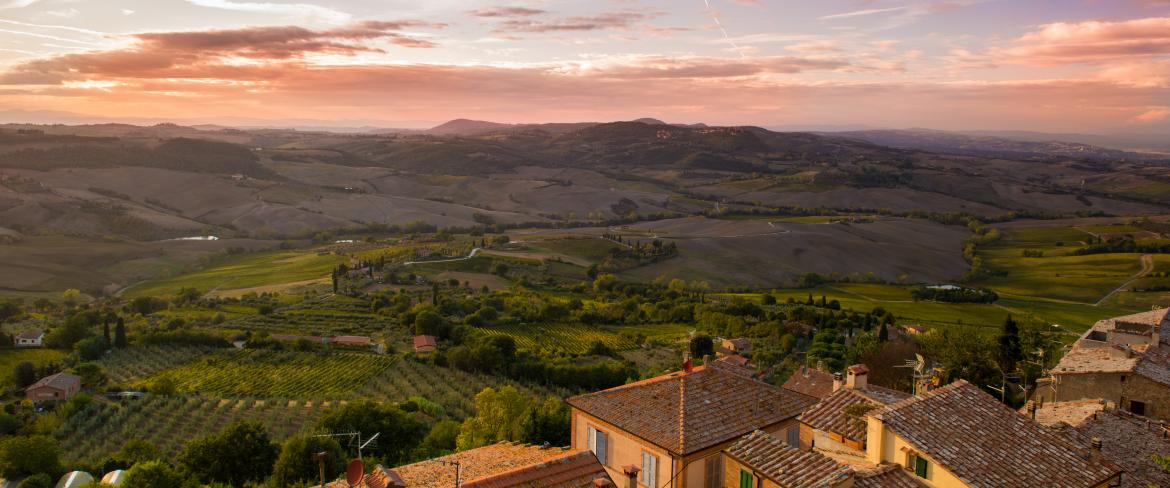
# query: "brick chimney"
{"points": [[631, 473], [857, 377], [837, 381], [1095, 448]]}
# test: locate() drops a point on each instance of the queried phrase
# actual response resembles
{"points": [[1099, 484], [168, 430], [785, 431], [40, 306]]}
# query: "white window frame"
{"points": [[649, 475]]}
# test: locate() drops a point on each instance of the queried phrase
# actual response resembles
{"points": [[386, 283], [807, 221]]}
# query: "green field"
{"points": [[590, 249], [251, 271], [101, 428], [9, 358], [1061, 275], [267, 373], [896, 299], [576, 338]]}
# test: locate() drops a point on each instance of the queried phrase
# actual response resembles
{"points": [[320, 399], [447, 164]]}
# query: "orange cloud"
{"points": [[1152, 115]]}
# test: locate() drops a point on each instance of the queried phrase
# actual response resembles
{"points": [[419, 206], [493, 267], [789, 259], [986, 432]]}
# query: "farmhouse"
{"points": [[425, 344], [58, 387], [30, 338], [738, 346], [1123, 360], [673, 428], [502, 465]]}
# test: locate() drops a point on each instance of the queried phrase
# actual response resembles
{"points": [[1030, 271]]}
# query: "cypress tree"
{"points": [[1010, 351], [883, 333], [120, 334]]}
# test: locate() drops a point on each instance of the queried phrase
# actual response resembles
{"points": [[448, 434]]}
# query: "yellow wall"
{"points": [[884, 445], [625, 449]]}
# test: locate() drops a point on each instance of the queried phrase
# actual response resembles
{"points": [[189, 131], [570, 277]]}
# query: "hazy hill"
{"points": [[1035, 146]]}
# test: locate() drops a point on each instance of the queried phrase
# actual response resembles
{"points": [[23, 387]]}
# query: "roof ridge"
{"points": [[917, 398]]}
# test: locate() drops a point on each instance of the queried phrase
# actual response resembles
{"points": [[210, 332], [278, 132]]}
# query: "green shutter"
{"points": [[920, 467], [745, 479]]}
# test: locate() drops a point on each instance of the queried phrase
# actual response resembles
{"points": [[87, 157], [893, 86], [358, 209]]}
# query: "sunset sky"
{"points": [[1045, 65]]}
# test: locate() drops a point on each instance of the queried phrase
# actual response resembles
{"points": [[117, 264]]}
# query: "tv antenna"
{"points": [[918, 367], [458, 469], [354, 435]]}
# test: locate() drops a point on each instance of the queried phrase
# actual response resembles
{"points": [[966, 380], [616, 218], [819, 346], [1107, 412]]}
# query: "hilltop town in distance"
{"points": [[566, 244]]}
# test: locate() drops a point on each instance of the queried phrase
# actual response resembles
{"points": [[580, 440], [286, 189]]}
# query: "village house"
{"points": [[959, 436], [1128, 440], [29, 338], [502, 465], [425, 344], [58, 387], [837, 423], [1124, 360], [670, 430]]}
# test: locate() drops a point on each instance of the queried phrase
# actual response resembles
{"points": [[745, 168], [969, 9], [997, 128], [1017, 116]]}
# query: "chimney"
{"points": [[1095, 448], [857, 377], [603, 483], [631, 473], [820, 365], [706, 360], [1032, 410], [837, 381]]}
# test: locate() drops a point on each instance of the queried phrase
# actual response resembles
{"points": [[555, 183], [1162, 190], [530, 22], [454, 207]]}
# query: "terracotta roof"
{"points": [[858, 369], [740, 344], [687, 412], [425, 340], [811, 382], [60, 381], [475, 463], [786, 466], [987, 444], [575, 469], [829, 415], [1127, 440], [30, 335], [735, 359], [886, 476]]}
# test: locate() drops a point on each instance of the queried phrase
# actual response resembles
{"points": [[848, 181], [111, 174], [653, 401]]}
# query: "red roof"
{"points": [[425, 341], [787, 466], [59, 381], [30, 335], [811, 382]]}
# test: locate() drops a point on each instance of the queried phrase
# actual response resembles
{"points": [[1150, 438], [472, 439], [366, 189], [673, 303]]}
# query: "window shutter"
{"points": [[794, 437], [745, 479], [602, 444], [920, 467], [714, 478], [593, 440]]}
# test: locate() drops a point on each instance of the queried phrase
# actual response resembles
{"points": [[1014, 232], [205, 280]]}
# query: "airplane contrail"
{"points": [[724, 31]]}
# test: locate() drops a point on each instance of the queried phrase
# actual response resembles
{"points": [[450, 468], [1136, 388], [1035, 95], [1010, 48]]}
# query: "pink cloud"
{"points": [[1094, 41]]}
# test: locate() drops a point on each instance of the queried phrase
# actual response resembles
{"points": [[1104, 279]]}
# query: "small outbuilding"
{"points": [[29, 338], [58, 387], [425, 344]]}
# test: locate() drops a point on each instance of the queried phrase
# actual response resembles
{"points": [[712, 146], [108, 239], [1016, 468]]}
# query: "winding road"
{"points": [[1147, 268], [474, 253]]}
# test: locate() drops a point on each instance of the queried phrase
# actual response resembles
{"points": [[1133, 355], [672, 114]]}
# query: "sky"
{"points": [[1084, 66]]}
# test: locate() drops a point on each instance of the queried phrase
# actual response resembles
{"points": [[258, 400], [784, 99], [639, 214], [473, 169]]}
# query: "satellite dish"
{"points": [[354, 473]]}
